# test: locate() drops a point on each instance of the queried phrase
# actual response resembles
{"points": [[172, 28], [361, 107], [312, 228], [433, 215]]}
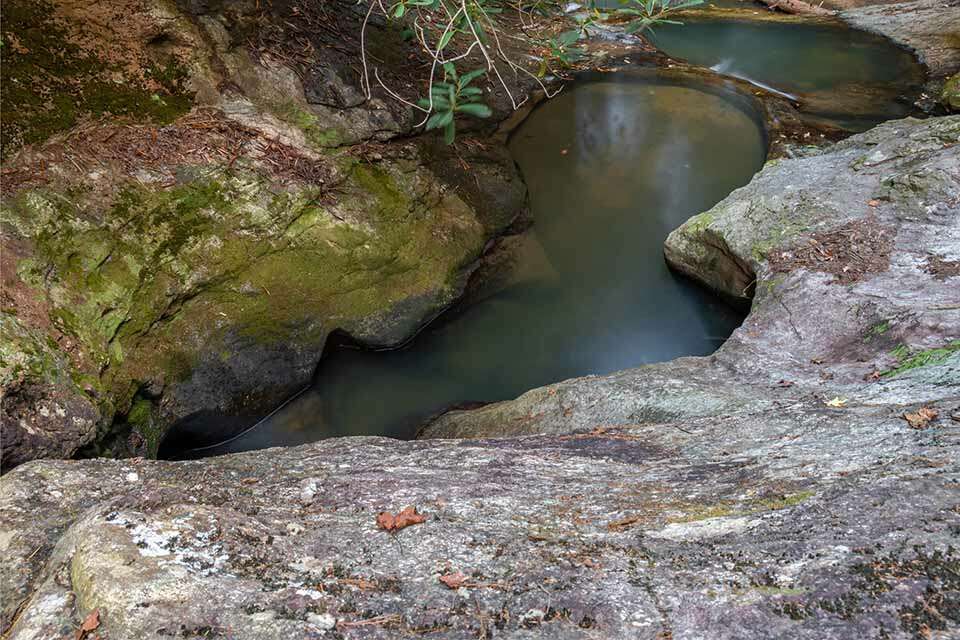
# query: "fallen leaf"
{"points": [[359, 583], [90, 623], [626, 523], [874, 203], [837, 402], [453, 580], [408, 516], [921, 418]]}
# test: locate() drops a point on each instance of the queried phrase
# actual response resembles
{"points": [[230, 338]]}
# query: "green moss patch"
{"points": [[49, 83], [908, 359]]}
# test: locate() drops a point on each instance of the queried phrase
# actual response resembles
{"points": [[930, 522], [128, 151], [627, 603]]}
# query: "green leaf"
{"points": [[440, 119], [449, 70], [471, 91], [475, 109], [467, 78], [450, 131], [569, 37], [439, 102], [398, 12], [637, 25], [445, 40]]}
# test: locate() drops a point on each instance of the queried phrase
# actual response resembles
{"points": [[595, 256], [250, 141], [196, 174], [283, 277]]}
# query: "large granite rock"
{"points": [[793, 521]]}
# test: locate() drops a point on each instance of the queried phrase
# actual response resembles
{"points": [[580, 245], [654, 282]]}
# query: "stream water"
{"points": [[613, 165]]}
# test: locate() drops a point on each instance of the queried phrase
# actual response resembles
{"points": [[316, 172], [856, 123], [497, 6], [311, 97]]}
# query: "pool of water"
{"points": [[612, 168], [852, 78]]}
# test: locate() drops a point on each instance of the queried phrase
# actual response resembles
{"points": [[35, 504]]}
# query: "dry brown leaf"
{"points": [[921, 418], [360, 583], [408, 516], [90, 623], [837, 402], [626, 523], [453, 580]]}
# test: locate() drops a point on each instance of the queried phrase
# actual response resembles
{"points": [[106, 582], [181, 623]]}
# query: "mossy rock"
{"points": [[55, 74], [951, 93], [219, 293]]}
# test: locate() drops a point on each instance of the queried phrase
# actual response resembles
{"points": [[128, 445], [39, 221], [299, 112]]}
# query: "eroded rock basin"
{"points": [[799, 483], [612, 167]]}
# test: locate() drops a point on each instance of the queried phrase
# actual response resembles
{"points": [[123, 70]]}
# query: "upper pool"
{"points": [[850, 78]]}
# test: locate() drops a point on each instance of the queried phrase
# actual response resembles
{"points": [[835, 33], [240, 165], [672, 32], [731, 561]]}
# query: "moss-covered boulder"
{"points": [[951, 93], [188, 248], [217, 292]]}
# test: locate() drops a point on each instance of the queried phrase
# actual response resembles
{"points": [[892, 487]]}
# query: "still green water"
{"points": [[851, 78], [612, 168]]}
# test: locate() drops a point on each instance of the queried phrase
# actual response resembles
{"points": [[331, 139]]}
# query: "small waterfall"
{"points": [[726, 67]]}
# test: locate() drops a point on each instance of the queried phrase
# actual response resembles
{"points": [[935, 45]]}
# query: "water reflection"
{"points": [[612, 168]]}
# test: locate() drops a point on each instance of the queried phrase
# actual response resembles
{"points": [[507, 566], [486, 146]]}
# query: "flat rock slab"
{"points": [[799, 521]]}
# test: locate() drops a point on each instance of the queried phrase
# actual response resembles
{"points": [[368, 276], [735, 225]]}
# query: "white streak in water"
{"points": [[725, 66]]}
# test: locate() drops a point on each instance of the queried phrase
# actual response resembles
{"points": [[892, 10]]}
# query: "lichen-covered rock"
{"points": [[791, 521], [45, 412], [850, 259]]}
